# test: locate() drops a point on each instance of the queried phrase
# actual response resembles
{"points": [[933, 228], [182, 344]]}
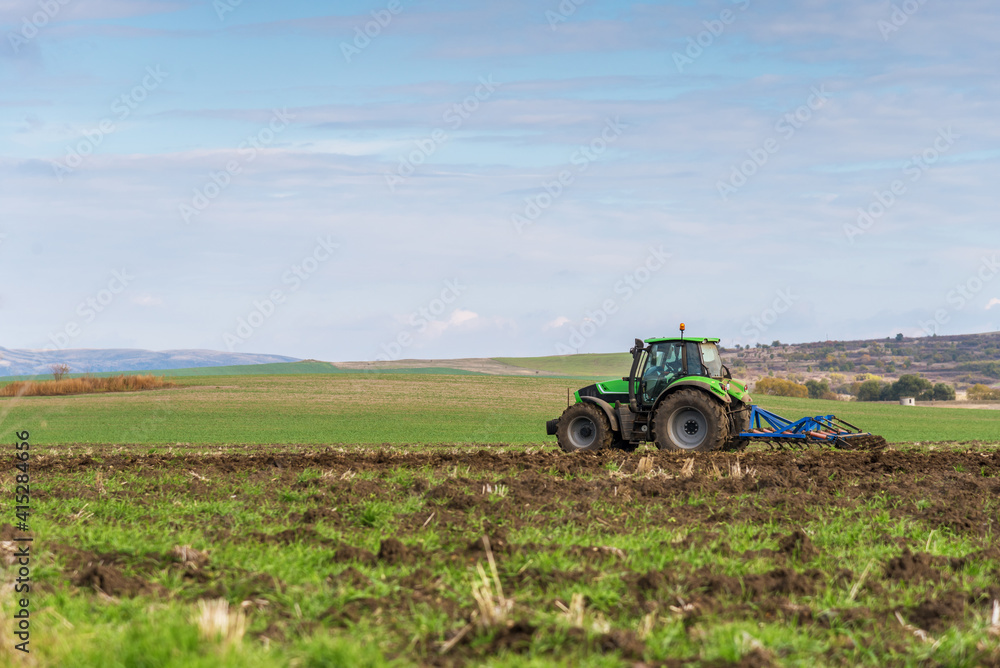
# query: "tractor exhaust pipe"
{"points": [[636, 351]]}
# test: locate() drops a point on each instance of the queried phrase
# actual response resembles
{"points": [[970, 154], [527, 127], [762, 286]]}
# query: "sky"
{"points": [[387, 179]]}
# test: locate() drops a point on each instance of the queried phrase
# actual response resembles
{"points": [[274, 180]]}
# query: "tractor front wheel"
{"points": [[584, 427], [690, 421]]}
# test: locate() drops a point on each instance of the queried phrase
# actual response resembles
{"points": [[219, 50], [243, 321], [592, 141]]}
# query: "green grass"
{"points": [[591, 365], [392, 408], [309, 409]]}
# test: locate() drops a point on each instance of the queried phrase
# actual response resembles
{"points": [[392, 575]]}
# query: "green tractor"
{"points": [[678, 395]]}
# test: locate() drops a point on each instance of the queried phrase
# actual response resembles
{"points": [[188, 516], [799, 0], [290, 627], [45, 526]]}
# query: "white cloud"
{"points": [[458, 318], [147, 300], [993, 302], [556, 324]]}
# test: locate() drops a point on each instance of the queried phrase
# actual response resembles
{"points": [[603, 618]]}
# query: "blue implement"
{"points": [[768, 426]]}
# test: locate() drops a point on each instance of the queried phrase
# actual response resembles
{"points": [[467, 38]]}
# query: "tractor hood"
{"points": [[609, 391]]}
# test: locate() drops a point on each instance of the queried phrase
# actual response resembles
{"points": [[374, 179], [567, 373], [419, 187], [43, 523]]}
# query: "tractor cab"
{"points": [[666, 361]]}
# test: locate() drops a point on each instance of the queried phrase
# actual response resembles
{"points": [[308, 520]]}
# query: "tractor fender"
{"points": [[691, 383], [606, 407]]}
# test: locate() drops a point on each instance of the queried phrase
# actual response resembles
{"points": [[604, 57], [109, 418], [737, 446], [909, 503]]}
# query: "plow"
{"points": [[680, 396], [828, 430]]}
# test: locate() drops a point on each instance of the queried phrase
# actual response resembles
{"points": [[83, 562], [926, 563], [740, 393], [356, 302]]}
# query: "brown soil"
{"points": [[599, 495], [109, 580]]}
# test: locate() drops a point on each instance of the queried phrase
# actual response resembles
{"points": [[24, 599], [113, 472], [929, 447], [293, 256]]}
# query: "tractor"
{"points": [[681, 397]]}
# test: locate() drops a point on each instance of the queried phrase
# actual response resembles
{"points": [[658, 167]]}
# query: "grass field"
{"points": [[591, 365], [277, 495], [393, 408]]}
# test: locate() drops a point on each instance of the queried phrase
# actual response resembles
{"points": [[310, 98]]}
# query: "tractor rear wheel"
{"points": [[584, 427], [739, 423], [690, 421]]}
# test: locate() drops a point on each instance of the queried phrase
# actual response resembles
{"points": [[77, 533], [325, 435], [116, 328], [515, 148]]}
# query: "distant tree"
{"points": [[870, 390], [983, 393], [849, 388], [908, 386], [775, 343], [59, 370], [943, 392], [899, 337], [819, 390], [781, 387]]}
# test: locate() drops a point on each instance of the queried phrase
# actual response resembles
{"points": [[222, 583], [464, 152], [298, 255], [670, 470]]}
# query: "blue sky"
{"points": [[480, 179]]}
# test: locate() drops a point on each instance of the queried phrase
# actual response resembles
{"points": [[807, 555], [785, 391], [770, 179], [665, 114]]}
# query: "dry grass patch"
{"points": [[56, 388]]}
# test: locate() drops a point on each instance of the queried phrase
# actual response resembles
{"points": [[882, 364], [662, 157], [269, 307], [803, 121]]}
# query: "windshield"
{"points": [[710, 358], [664, 364]]}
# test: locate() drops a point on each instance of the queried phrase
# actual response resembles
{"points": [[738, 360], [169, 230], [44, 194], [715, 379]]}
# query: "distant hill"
{"points": [[592, 365], [303, 367], [961, 360], [38, 362]]}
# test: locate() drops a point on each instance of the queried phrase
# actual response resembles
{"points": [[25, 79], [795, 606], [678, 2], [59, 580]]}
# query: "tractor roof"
{"points": [[695, 339]]}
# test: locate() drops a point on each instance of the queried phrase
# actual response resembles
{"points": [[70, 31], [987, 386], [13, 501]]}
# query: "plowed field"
{"points": [[373, 556]]}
